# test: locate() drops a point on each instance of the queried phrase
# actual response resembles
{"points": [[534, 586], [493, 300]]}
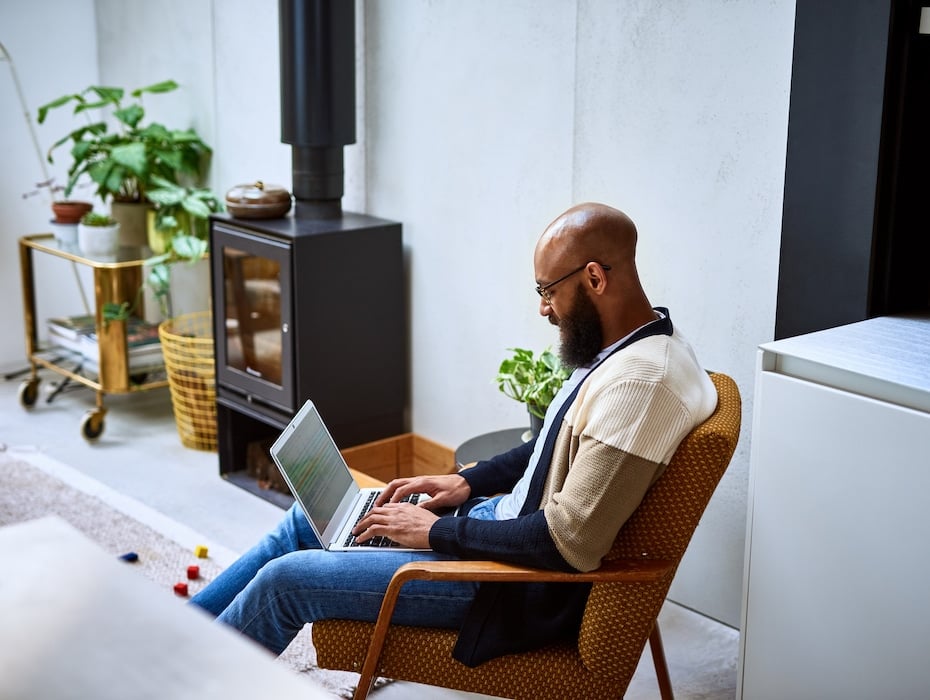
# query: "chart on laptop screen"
{"points": [[315, 469]]}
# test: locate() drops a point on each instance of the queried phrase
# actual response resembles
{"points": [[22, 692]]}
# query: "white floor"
{"points": [[140, 455]]}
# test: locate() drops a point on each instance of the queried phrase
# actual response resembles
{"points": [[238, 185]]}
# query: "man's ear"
{"points": [[597, 278]]}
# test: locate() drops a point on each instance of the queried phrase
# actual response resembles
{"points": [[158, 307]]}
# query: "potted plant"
{"points": [[533, 380], [66, 213], [69, 211], [122, 162], [180, 211], [98, 235]]}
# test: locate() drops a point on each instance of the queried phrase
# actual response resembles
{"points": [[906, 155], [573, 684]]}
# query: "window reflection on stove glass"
{"points": [[253, 314]]}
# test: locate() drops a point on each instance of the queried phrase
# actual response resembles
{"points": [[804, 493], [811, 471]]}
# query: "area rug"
{"points": [[33, 486]]}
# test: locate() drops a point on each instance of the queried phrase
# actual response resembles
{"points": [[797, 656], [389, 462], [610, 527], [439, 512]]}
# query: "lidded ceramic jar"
{"points": [[258, 201]]}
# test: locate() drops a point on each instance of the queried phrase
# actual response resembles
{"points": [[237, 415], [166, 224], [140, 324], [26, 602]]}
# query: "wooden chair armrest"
{"points": [[632, 571], [616, 570]]}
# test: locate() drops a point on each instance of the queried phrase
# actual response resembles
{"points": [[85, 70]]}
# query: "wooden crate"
{"points": [[382, 460], [401, 455]]}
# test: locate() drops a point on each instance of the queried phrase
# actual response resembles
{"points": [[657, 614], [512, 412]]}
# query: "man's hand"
{"points": [[404, 523], [445, 491]]}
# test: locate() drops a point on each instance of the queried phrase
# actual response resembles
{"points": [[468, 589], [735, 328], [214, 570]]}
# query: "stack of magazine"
{"points": [[79, 334]]}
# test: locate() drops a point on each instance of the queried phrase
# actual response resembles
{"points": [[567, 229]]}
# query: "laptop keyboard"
{"points": [[375, 541]]}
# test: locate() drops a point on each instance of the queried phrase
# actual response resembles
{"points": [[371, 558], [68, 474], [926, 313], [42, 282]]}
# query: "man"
{"points": [[556, 502]]}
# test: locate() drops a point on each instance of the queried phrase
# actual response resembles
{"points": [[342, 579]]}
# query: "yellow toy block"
{"points": [[200, 551]]}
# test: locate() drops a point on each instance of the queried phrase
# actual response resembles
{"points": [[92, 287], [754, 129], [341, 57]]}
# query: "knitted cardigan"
{"points": [[618, 433]]}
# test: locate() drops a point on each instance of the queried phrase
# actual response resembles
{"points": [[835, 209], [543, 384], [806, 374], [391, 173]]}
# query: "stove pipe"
{"points": [[317, 39]]}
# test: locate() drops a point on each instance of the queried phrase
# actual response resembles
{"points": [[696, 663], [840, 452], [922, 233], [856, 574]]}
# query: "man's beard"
{"points": [[580, 332]]}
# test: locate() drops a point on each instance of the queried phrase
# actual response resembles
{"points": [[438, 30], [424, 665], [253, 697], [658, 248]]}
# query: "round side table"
{"points": [[488, 445]]}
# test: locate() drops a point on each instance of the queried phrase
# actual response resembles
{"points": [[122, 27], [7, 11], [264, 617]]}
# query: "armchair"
{"points": [[627, 593]]}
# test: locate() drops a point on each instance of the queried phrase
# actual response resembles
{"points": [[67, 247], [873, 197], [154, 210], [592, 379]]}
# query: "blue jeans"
{"points": [[288, 580]]}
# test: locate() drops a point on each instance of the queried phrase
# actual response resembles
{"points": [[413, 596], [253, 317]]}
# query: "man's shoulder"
{"points": [[660, 359]]}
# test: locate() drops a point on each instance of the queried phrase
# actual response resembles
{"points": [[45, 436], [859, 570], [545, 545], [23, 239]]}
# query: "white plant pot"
{"points": [[98, 241], [65, 234]]}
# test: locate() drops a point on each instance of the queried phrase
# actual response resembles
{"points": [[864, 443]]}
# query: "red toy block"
{"points": [[181, 589], [193, 572]]}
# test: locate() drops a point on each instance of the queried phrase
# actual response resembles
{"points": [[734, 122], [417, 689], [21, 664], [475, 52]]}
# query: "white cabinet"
{"points": [[836, 592]]}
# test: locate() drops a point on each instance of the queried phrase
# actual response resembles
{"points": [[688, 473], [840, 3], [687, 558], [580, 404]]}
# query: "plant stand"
{"points": [[110, 372]]}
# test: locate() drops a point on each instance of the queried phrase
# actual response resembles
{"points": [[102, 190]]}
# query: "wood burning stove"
{"points": [[311, 305]]}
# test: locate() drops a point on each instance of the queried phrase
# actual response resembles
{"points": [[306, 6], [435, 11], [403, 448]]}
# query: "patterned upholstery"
{"points": [[619, 617]]}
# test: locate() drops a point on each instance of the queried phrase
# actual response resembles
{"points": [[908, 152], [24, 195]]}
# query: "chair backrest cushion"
{"points": [[619, 617]]}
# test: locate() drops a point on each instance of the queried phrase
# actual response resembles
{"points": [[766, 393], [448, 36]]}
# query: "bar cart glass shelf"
{"points": [[117, 279]]}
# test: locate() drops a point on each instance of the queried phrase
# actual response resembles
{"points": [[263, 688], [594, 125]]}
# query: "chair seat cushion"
{"points": [[424, 655]]}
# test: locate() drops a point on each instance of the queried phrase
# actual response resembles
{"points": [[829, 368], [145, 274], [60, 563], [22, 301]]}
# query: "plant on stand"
{"points": [[129, 164], [122, 162], [532, 380], [98, 235], [181, 214], [66, 213], [69, 211], [178, 231]]}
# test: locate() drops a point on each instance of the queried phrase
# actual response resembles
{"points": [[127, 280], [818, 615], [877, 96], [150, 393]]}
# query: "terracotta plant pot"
{"points": [[69, 211]]}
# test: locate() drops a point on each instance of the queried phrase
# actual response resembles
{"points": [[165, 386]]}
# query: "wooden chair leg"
{"points": [[658, 660]]}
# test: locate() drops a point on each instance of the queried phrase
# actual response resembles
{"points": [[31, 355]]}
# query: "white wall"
{"points": [[479, 123], [486, 119], [681, 117], [40, 38]]}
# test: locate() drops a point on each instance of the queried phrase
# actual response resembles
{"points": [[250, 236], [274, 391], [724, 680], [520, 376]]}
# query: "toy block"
{"points": [[200, 551], [193, 572], [181, 589]]}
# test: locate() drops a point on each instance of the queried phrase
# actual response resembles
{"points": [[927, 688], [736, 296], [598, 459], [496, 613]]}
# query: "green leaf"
{"points": [[132, 156], [72, 181], [100, 171], [163, 86], [107, 95], [115, 179], [163, 183], [85, 106], [159, 278], [173, 159], [130, 115], [187, 136], [189, 247], [81, 150], [155, 131], [166, 222], [64, 99], [112, 311], [196, 207], [167, 197], [156, 260]]}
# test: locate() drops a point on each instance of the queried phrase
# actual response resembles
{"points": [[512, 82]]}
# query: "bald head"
{"points": [[601, 241], [592, 231]]}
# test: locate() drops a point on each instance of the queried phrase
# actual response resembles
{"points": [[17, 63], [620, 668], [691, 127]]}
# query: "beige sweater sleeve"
{"points": [[608, 453]]}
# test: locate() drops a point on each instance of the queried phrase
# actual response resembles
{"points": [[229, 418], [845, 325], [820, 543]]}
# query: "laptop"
{"points": [[320, 480]]}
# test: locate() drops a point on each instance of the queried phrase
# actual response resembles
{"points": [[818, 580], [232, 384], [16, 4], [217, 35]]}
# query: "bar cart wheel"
{"points": [[29, 392], [92, 424]]}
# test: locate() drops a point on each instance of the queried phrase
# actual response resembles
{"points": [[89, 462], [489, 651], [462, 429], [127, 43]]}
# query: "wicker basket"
{"points": [[187, 344]]}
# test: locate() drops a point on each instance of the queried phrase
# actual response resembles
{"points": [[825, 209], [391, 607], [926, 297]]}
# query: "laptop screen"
{"points": [[314, 466]]}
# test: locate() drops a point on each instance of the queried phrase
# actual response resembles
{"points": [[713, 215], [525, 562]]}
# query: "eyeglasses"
{"points": [[543, 289]]}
